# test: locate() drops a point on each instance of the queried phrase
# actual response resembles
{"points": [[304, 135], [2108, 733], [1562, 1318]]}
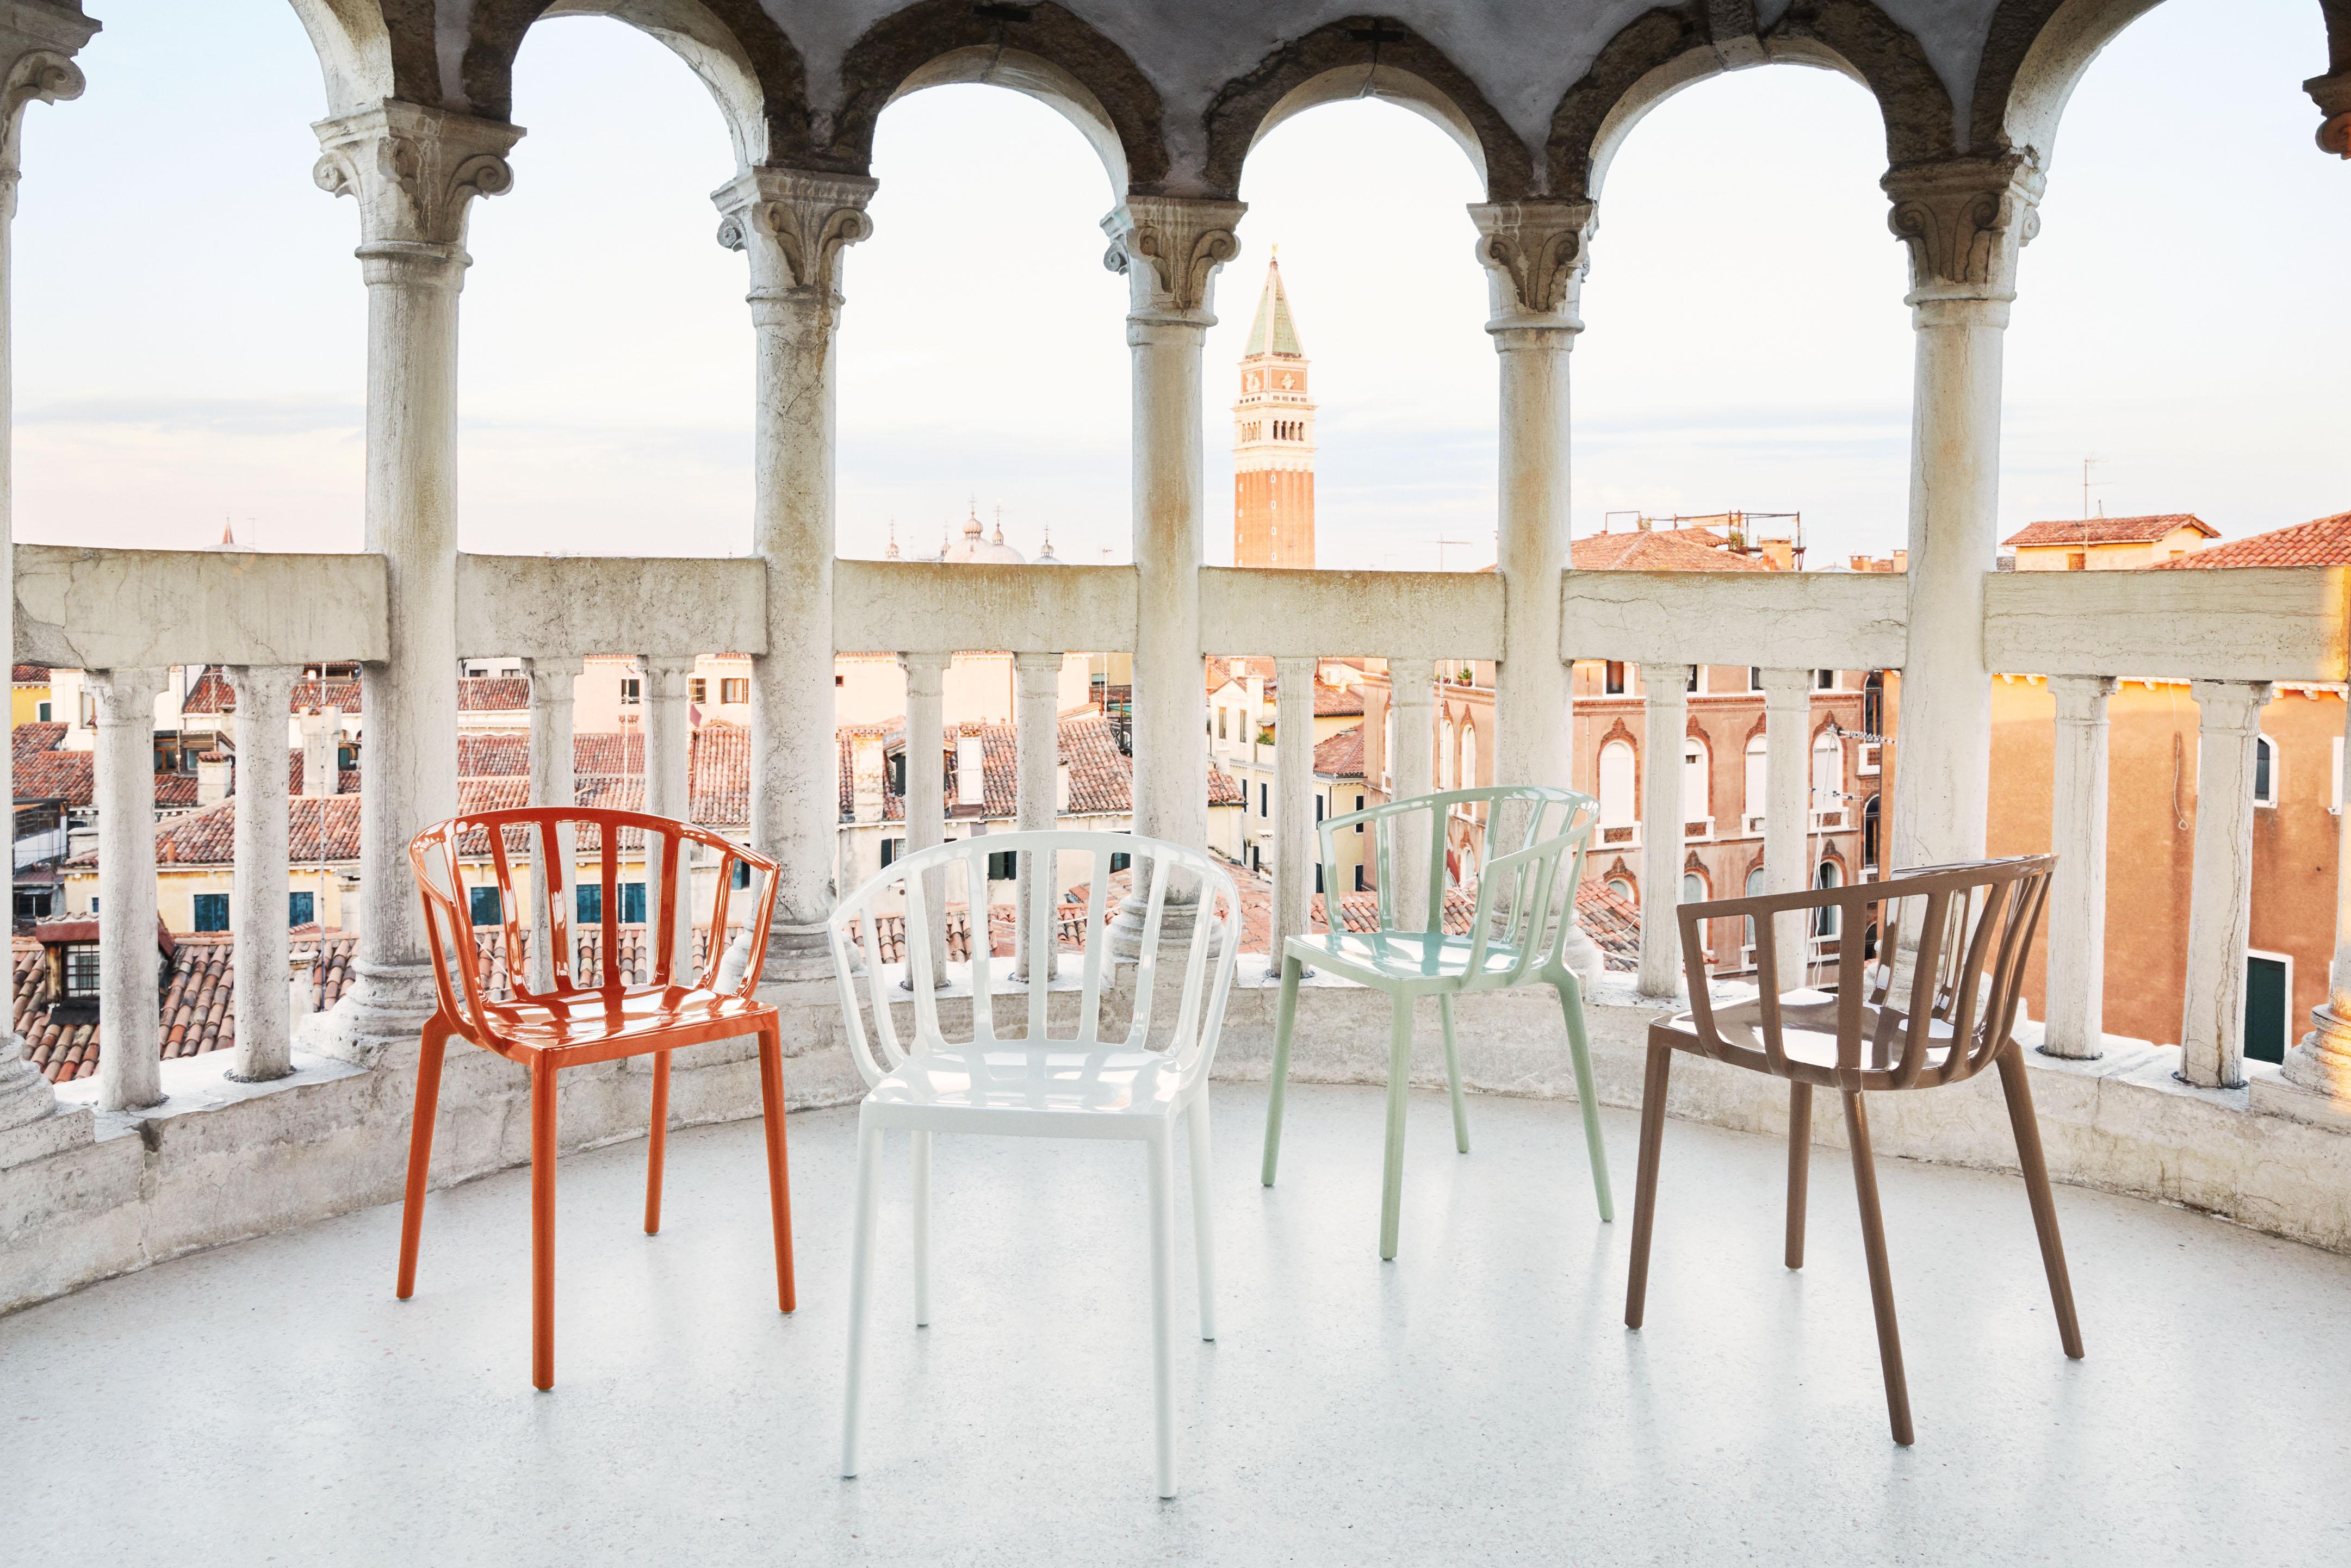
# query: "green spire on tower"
{"points": [[1273, 332]]}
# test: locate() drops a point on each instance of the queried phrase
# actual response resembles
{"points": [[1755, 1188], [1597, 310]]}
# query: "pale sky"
{"points": [[189, 323]]}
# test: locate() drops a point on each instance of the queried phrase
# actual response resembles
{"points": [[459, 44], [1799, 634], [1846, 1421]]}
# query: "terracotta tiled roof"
{"points": [[36, 736], [720, 775], [195, 1007], [213, 693], [1614, 925], [68, 777], [504, 754], [493, 694], [175, 791], [32, 676], [1224, 789], [2108, 531], [1101, 779], [347, 780], [1341, 756], [608, 754], [1337, 702], [2326, 541], [1659, 549]]}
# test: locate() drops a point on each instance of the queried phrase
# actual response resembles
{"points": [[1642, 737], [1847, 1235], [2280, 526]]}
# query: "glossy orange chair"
{"points": [[574, 1023]]}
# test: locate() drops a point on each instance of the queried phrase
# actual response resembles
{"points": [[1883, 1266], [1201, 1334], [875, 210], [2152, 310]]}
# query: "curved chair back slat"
{"points": [[440, 854], [1171, 877]]}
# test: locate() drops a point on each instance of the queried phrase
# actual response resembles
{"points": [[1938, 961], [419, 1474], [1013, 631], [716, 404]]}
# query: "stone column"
{"points": [[552, 761], [1964, 221], [129, 1059], [926, 799], [414, 172], [1787, 806], [1170, 248], [1295, 845], [2220, 895], [262, 959], [2076, 916], [669, 740], [1535, 256], [36, 47], [1038, 807], [1412, 696], [1665, 695], [792, 226]]}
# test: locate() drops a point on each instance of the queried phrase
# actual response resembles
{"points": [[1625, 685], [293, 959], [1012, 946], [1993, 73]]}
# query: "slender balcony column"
{"points": [[2321, 1061], [130, 1063], [1038, 805], [263, 956], [1294, 845], [2077, 919], [552, 761], [1411, 693], [1535, 256], [669, 739], [2221, 892], [1170, 248], [1787, 803], [36, 48], [1666, 694], [1964, 221], [792, 226], [414, 172], [925, 798]]}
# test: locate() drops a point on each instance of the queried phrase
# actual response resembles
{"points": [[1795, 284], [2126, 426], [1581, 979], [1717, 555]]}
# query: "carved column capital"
{"points": [[1169, 248], [38, 43], [2332, 95], [414, 172], [126, 698], [2232, 709], [793, 226], [1965, 220], [1535, 255]]}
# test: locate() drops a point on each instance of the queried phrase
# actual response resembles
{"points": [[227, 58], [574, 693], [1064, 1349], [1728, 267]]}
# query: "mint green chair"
{"points": [[1524, 909]]}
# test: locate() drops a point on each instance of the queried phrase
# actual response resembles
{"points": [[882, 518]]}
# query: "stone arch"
{"points": [[1043, 50], [371, 50], [733, 46], [1664, 50], [1352, 58]]}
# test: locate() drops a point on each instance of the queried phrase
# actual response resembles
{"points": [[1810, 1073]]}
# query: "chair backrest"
{"points": [[1199, 890], [1528, 863], [533, 839], [1952, 946]]}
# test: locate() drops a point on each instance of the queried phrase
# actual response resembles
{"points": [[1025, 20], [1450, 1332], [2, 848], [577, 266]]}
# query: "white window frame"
{"points": [[2277, 772]]}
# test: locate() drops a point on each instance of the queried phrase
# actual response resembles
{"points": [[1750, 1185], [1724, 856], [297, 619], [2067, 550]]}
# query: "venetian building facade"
{"points": [[1274, 441]]}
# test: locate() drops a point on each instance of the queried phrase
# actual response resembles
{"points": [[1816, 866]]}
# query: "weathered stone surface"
{"points": [[105, 609], [547, 606]]}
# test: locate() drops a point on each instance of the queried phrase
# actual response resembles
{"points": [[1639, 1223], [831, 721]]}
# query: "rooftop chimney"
{"points": [[318, 754], [971, 767], [866, 770], [213, 779]]}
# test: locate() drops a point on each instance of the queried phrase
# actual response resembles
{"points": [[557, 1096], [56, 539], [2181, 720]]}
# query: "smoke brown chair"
{"points": [[1973, 929]]}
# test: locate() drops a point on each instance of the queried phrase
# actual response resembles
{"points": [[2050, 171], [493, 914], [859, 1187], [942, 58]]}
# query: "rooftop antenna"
{"points": [[2086, 462], [1440, 549]]}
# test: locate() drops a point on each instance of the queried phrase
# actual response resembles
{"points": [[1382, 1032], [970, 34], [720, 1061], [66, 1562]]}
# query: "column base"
{"points": [[1175, 921], [796, 952], [31, 1125], [388, 1006], [2314, 1084]]}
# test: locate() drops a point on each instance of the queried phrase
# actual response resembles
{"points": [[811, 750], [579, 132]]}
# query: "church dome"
{"points": [[975, 549], [1046, 556]]}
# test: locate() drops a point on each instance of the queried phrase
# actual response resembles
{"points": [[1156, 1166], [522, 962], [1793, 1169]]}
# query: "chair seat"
{"points": [[1425, 958], [1808, 1023], [1050, 1081], [590, 1021]]}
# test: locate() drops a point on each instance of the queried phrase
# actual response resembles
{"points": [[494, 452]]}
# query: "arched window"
{"points": [[2265, 771], [1828, 773], [1469, 779], [1623, 888], [1693, 887], [1696, 795], [1825, 921], [1871, 826], [1616, 785], [1754, 887], [1755, 778], [1872, 704], [1445, 755]]}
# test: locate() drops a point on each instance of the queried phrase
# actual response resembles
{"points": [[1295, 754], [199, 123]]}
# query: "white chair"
{"points": [[1041, 1084]]}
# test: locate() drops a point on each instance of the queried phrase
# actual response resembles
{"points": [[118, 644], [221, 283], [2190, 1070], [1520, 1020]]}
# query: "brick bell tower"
{"points": [[1273, 440]]}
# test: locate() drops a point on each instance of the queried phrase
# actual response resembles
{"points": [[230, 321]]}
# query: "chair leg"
{"points": [[1285, 1022], [2019, 1092], [1204, 1217], [1588, 1096], [1645, 1179], [542, 1225], [1399, 1080], [1453, 1076], [1881, 1276], [1800, 1166], [919, 1160], [860, 1272], [657, 1144], [1161, 1157], [420, 1152], [779, 1167]]}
